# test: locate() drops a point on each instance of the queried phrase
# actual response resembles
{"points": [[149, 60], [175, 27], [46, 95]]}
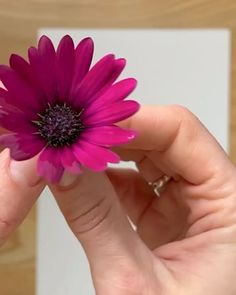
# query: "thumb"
{"points": [[93, 212]]}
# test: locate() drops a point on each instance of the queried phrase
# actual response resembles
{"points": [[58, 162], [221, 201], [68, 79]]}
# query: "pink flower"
{"points": [[57, 107]]}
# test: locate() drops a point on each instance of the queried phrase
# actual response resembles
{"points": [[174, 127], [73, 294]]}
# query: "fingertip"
{"points": [[24, 172], [68, 181], [20, 172]]}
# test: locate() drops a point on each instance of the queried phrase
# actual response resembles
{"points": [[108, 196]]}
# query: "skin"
{"points": [[185, 242]]}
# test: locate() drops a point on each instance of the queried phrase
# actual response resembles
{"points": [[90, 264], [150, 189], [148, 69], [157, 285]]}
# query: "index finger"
{"points": [[19, 189], [172, 137]]}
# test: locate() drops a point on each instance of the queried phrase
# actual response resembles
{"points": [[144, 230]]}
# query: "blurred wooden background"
{"points": [[19, 22]]}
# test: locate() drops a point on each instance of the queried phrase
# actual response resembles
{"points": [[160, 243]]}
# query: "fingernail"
{"points": [[24, 172], [68, 179]]}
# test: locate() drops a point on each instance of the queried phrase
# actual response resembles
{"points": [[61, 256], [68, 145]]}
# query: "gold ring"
{"points": [[160, 184]]}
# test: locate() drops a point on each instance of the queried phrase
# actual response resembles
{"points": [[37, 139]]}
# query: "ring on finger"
{"points": [[160, 184]]}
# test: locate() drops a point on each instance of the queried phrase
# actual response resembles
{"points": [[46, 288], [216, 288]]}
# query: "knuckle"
{"points": [[91, 217], [181, 111], [189, 124], [184, 114]]}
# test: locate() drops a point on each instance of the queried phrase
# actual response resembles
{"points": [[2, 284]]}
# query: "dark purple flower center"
{"points": [[59, 125]]}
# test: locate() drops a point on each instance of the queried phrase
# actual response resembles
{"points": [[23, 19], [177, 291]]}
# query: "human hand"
{"points": [[185, 241], [19, 189]]}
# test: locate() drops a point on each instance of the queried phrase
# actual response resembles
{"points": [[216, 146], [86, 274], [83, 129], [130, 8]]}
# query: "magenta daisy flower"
{"points": [[57, 107]]}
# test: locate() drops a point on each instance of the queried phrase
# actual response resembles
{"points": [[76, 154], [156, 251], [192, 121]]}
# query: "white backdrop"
{"points": [[188, 67]]}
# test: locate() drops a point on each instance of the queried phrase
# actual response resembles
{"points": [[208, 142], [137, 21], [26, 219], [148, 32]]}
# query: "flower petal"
{"points": [[108, 135], [24, 70], [4, 101], [94, 157], [83, 59], [7, 104], [65, 66], [115, 93], [19, 93], [88, 160], [20, 65], [94, 81], [49, 165], [69, 161], [118, 91], [15, 121], [110, 114], [22, 146], [43, 63], [118, 67]]}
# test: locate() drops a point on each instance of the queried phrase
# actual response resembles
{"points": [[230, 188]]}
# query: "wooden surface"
{"points": [[19, 22]]}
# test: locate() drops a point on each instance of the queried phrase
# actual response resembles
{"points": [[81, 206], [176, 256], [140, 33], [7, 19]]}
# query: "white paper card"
{"points": [[188, 67]]}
